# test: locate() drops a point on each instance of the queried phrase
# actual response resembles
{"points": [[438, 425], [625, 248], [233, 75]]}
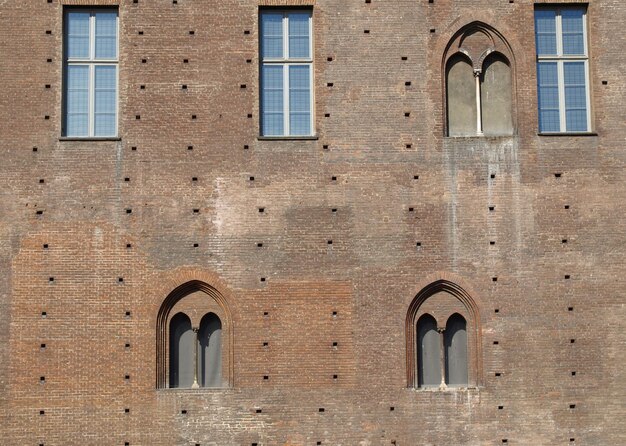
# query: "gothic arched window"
{"points": [[479, 83], [194, 338], [443, 338]]}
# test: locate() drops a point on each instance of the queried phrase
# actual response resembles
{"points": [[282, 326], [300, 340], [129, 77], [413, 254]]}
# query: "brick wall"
{"points": [[554, 308]]}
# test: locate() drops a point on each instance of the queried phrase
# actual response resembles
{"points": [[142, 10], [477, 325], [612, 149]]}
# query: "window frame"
{"points": [[560, 59], [92, 62], [286, 62]]}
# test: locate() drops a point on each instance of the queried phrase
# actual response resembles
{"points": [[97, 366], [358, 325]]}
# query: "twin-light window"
{"points": [[90, 70]]}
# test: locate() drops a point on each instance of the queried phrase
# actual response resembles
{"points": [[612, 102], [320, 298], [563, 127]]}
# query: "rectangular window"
{"points": [[286, 73], [562, 70], [90, 73]]}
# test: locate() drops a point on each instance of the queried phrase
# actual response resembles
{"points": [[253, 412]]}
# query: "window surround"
{"points": [[497, 46], [468, 309], [559, 58], [213, 301], [92, 62], [286, 62]]}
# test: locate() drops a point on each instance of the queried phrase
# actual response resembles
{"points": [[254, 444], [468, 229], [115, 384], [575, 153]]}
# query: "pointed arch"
{"points": [[442, 299], [195, 298], [477, 41]]}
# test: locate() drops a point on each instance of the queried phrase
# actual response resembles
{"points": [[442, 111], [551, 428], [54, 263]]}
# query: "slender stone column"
{"points": [[195, 360], [479, 118], [442, 357]]}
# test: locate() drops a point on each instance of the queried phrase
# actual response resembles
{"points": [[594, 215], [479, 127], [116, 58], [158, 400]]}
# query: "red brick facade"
{"points": [[95, 235]]}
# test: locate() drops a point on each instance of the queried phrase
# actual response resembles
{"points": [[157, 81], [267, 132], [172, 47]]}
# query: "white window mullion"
{"points": [[587, 85], [588, 94], [286, 98], [311, 104], [285, 36], [559, 34], [560, 71], [92, 99], [311, 83], [561, 81], [311, 39], [286, 120], [92, 75], [92, 36]]}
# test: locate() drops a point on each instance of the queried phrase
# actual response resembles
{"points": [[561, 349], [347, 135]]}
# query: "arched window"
{"points": [[210, 351], [495, 93], [182, 344], [455, 340], [194, 338], [428, 352], [478, 83], [461, 97], [443, 338]]}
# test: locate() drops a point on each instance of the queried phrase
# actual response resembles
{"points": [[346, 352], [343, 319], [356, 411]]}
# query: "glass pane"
{"points": [[272, 104], [78, 35], [548, 90], [575, 96], [105, 100], [572, 25], [545, 32], [299, 35], [77, 101], [300, 100], [106, 35], [271, 35]]}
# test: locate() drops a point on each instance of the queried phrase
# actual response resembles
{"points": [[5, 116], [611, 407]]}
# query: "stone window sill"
{"points": [[82, 138], [198, 390], [568, 134], [445, 389], [288, 138]]}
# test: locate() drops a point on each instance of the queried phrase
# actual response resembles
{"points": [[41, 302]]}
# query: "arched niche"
{"points": [[447, 304], [455, 351], [197, 301], [428, 352], [461, 96], [479, 99], [210, 351], [181, 354], [496, 96]]}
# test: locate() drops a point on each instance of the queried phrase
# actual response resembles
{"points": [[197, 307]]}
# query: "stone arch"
{"points": [[455, 300], [205, 299]]}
